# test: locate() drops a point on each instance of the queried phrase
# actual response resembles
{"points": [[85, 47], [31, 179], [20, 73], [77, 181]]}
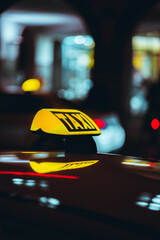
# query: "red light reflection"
{"points": [[152, 164], [100, 123], [38, 174]]}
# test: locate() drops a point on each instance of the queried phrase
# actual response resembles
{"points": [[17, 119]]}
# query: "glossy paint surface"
{"points": [[115, 191]]}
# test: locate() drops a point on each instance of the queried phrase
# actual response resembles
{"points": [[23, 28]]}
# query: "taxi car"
{"points": [[73, 192]]}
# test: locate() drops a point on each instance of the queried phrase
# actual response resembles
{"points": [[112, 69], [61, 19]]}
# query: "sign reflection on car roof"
{"points": [[45, 167]]}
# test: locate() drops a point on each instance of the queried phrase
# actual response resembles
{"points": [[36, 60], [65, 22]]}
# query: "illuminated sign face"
{"points": [[64, 122], [75, 121], [46, 167]]}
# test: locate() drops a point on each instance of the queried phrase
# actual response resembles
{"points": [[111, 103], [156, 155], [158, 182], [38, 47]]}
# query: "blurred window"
{"points": [[44, 60], [146, 64], [77, 61]]}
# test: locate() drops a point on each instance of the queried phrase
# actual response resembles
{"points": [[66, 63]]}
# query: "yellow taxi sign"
{"points": [[64, 122]]}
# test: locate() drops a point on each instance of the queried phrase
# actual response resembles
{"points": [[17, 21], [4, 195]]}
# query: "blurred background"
{"points": [[101, 57]]}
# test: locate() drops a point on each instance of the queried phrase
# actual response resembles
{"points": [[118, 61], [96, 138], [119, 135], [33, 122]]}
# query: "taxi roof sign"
{"points": [[65, 122]]}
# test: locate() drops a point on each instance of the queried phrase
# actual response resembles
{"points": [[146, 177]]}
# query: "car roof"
{"points": [[109, 191]]}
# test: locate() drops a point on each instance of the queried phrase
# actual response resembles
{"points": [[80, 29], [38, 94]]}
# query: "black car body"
{"points": [[55, 195]]}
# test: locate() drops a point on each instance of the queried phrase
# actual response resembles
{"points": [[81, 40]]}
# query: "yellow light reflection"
{"points": [[31, 85], [39, 155], [138, 163], [46, 167], [29, 152]]}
